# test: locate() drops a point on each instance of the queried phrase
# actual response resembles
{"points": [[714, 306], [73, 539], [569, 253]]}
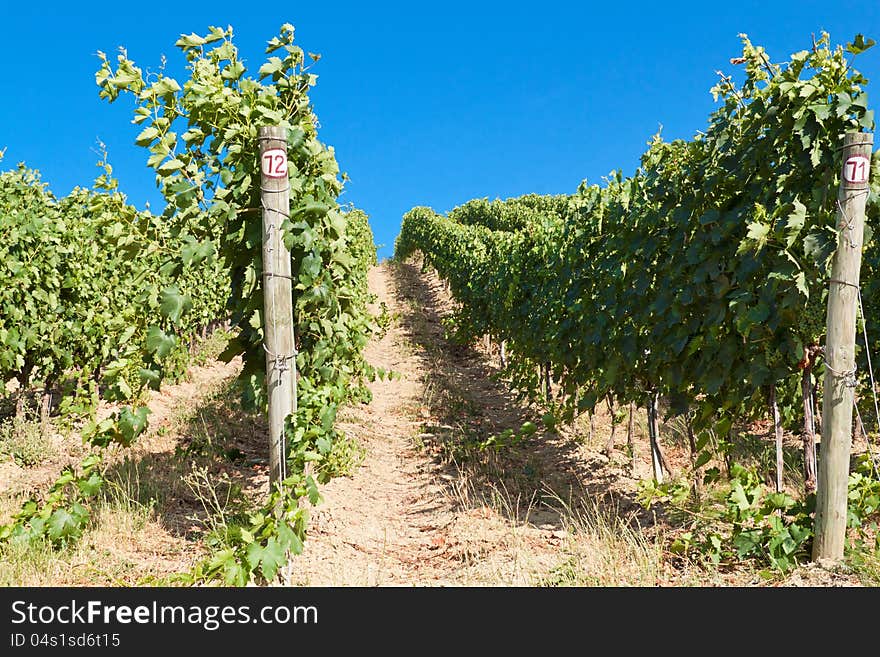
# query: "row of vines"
{"points": [[88, 281], [701, 279], [103, 298]]}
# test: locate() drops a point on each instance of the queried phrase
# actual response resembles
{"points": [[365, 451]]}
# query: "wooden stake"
{"points": [[609, 446], [658, 463], [809, 430], [832, 488], [278, 338], [630, 430], [24, 382], [777, 430], [692, 441], [45, 409]]}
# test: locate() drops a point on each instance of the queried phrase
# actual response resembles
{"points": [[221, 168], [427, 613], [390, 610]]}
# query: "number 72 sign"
{"points": [[274, 163], [855, 169]]}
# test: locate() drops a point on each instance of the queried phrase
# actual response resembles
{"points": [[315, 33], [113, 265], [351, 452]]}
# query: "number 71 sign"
{"points": [[274, 163], [855, 169]]}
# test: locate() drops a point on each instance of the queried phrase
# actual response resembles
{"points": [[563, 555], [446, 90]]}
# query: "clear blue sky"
{"points": [[426, 103]]}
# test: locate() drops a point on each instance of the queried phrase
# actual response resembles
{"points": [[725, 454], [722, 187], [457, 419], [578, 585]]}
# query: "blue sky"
{"points": [[425, 103]]}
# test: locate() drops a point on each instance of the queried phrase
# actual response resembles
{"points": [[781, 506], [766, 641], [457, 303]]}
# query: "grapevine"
{"points": [[202, 140]]}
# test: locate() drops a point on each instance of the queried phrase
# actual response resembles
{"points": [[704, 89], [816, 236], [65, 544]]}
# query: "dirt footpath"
{"points": [[406, 517]]}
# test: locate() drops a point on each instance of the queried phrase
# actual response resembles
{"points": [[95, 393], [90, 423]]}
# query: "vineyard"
{"points": [[701, 280], [506, 348]]}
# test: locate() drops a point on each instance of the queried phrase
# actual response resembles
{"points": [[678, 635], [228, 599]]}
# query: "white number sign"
{"points": [[856, 169], [274, 163]]}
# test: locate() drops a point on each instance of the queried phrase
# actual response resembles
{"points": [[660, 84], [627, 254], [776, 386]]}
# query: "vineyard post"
{"points": [[777, 433], [278, 338], [843, 297], [609, 445], [809, 439], [657, 460], [692, 442], [630, 444]]}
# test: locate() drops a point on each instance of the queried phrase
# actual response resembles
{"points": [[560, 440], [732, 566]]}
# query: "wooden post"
{"points": [[278, 338], [692, 442], [630, 444], [657, 460], [777, 432], [609, 445], [24, 381], [45, 410], [809, 439], [831, 493]]}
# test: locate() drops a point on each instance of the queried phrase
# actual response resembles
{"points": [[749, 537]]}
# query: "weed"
{"points": [[23, 439], [345, 455], [222, 500]]}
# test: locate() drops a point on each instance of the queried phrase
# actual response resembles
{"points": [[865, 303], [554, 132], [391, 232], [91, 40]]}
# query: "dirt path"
{"points": [[382, 525], [415, 513]]}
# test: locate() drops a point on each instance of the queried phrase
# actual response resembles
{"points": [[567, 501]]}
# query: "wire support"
{"points": [[835, 280], [280, 361], [284, 214], [840, 148], [849, 376], [847, 226], [871, 453]]}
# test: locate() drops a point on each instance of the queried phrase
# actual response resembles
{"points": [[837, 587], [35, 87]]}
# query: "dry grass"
{"points": [[126, 545], [140, 531], [604, 549], [24, 440], [867, 567]]}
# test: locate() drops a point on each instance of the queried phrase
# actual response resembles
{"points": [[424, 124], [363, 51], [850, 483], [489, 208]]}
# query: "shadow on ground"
{"points": [[207, 463], [466, 403]]}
